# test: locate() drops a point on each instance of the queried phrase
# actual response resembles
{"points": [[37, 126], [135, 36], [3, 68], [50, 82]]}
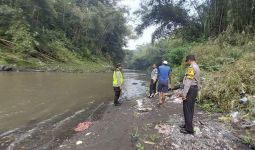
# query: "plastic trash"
{"points": [[197, 130], [144, 109], [79, 142], [164, 129], [235, 116], [83, 126], [244, 100], [88, 134], [178, 100], [149, 142], [140, 103]]}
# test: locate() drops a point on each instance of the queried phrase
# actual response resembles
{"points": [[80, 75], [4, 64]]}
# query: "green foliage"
{"points": [[235, 73], [57, 28], [21, 37], [139, 146], [167, 14], [211, 17], [172, 50], [248, 138]]}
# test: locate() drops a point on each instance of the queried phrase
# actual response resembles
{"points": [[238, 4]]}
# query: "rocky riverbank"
{"points": [[139, 124]]}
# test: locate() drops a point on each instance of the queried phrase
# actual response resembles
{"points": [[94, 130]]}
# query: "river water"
{"points": [[40, 110]]}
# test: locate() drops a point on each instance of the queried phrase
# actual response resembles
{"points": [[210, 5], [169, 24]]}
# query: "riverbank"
{"points": [[16, 62], [129, 127]]}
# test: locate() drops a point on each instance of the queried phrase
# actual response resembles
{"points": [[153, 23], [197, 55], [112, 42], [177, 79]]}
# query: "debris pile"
{"points": [[208, 133], [164, 128], [83, 126], [142, 106]]}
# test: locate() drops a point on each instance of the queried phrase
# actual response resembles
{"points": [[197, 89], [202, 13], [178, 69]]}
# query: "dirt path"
{"points": [[126, 128]]}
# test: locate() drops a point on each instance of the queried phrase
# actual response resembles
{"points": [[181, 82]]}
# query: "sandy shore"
{"points": [[128, 128]]}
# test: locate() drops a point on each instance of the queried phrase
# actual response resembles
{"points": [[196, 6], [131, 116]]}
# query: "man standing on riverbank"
{"points": [[164, 77], [191, 83], [117, 83], [154, 80]]}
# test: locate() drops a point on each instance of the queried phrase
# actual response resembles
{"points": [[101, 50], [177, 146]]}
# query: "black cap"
{"points": [[190, 57], [118, 65]]}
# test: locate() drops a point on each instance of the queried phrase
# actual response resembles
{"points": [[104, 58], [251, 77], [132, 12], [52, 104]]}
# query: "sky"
{"points": [[133, 20]]}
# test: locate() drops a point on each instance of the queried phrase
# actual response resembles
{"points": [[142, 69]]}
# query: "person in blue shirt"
{"points": [[164, 77]]}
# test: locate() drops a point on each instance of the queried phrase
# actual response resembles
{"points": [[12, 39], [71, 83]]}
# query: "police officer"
{"points": [[117, 83], [191, 83]]}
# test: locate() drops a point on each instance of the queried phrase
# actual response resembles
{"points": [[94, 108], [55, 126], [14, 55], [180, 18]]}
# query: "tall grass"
{"points": [[228, 69]]}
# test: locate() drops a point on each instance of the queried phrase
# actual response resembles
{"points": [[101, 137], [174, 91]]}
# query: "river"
{"points": [[40, 110]]}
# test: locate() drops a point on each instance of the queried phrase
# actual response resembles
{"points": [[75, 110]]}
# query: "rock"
{"points": [[175, 146], [6, 68], [144, 109], [248, 124]]}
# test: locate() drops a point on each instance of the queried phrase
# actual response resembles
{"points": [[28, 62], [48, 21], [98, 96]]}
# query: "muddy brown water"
{"points": [[40, 110]]}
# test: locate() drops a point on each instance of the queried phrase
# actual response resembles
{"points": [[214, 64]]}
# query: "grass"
{"points": [[227, 70], [248, 138], [71, 64]]}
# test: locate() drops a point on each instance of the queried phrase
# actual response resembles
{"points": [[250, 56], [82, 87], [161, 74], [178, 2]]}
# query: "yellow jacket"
{"points": [[117, 82]]}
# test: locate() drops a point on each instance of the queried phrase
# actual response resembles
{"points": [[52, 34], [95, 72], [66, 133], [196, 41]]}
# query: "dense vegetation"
{"points": [[194, 20], [221, 35], [61, 31]]}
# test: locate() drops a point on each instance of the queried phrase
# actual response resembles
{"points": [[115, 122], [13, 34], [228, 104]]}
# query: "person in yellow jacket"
{"points": [[117, 83]]}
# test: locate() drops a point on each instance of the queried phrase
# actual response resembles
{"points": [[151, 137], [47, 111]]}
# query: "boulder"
{"points": [[6, 68]]}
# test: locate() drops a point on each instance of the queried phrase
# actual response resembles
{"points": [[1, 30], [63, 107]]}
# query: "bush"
{"points": [[223, 87]]}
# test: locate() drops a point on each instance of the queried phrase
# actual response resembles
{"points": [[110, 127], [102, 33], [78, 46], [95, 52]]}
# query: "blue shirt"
{"points": [[164, 72]]}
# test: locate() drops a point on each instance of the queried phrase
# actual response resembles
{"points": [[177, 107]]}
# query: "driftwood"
{"points": [[6, 43]]}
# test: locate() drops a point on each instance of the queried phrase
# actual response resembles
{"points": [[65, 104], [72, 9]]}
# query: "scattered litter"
{"points": [[164, 129], [200, 113], [225, 119], [175, 145], [244, 100], [79, 142], [178, 100], [235, 116], [201, 123], [197, 130], [144, 109], [83, 126], [61, 146], [140, 103], [88, 134], [149, 142], [248, 124]]}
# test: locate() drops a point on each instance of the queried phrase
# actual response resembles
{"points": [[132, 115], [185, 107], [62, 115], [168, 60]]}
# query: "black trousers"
{"points": [[153, 86], [188, 107], [117, 92]]}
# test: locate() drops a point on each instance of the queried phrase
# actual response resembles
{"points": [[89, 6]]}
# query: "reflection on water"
{"points": [[27, 97], [134, 84], [40, 109]]}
